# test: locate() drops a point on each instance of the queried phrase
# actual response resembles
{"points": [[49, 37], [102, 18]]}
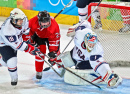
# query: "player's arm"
{"points": [[26, 31], [32, 34], [78, 26], [15, 43], [54, 45]]}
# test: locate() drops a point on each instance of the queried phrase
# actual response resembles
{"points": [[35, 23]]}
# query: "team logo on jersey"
{"points": [[83, 45], [11, 38], [57, 35]]}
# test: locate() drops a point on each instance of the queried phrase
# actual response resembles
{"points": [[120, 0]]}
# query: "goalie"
{"points": [[87, 54]]}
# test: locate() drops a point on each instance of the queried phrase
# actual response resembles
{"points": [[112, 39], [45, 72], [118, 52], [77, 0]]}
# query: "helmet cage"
{"points": [[44, 17], [90, 39]]}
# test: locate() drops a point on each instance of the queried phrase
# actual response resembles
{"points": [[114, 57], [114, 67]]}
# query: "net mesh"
{"points": [[116, 45]]}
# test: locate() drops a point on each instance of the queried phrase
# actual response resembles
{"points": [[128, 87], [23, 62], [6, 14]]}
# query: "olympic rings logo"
{"points": [[59, 2]]}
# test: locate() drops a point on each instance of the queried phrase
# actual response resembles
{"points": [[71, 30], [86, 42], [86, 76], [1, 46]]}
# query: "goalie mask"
{"points": [[44, 19], [17, 17], [90, 39]]}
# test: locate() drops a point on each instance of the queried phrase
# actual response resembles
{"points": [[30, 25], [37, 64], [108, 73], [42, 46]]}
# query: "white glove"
{"points": [[71, 30]]}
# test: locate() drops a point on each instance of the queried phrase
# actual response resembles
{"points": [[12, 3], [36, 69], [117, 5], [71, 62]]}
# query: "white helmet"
{"points": [[16, 14], [90, 39]]}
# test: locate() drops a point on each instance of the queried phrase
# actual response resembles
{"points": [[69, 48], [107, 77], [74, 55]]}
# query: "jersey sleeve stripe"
{"points": [[20, 45], [99, 65]]}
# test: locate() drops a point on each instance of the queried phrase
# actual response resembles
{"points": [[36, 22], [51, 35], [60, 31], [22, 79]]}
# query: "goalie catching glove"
{"points": [[32, 50], [71, 30]]}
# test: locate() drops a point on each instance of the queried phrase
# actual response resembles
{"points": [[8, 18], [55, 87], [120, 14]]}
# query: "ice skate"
{"points": [[14, 81], [125, 29], [38, 75]]}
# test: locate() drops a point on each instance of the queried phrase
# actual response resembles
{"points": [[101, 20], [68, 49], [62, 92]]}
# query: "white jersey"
{"points": [[79, 52], [11, 36]]}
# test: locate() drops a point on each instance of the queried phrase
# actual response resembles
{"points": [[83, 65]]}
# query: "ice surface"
{"points": [[51, 83]]}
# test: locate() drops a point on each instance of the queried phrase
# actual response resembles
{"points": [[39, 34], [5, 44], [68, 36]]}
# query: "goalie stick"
{"points": [[63, 8], [46, 69], [70, 72]]}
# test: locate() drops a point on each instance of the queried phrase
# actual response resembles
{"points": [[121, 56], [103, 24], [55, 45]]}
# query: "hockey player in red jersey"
{"points": [[44, 31]]}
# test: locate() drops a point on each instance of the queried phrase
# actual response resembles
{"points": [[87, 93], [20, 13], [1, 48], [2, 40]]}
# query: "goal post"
{"points": [[116, 45]]}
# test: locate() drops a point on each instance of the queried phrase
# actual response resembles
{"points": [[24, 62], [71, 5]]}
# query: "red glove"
{"points": [[75, 0], [32, 50]]}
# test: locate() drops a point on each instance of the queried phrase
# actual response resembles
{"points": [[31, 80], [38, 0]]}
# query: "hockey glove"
{"points": [[71, 30], [32, 50], [28, 41], [53, 57], [33, 42]]}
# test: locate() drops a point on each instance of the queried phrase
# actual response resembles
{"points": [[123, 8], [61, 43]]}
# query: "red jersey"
{"points": [[52, 32]]}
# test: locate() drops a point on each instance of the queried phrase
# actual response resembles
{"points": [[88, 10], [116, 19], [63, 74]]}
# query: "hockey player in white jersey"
{"points": [[87, 54], [11, 41]]}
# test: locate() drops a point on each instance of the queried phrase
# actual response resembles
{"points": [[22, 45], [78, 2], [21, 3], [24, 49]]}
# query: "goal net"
{"points": [[116, 45]]}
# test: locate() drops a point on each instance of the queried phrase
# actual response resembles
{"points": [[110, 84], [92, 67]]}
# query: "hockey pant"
{"points": [[38, 61], [9, 59]]}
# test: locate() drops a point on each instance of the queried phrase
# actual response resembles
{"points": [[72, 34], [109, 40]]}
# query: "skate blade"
{"points": [[37, 80]]}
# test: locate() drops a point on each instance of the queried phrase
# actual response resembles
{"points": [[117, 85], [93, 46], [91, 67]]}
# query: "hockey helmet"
{"points": [[16, 14], [44, 19], [90, 39]]}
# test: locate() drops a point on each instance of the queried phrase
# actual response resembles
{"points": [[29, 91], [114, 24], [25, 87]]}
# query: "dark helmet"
{"points": [[44, 17]]}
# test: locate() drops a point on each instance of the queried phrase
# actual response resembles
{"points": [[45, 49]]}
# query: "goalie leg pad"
{"points": [[89, 75], [66, 59]]}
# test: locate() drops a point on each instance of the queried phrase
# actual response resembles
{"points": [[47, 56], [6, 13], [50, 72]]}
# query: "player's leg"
{"points": [[96, 16], [83, 12], [82, 9], [101, 67], [83, 69], [9, 56], [2, 63], [38, 61], [88, 74]]}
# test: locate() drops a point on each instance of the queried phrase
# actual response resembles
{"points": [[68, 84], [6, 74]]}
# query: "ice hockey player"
{"points": [[83, 12], [87, 54], [126, 17], [11, 41], [44, 31]]}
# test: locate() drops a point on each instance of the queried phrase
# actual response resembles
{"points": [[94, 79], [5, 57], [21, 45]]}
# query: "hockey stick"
{"points": [[63, 8], [46, 69], [80, 24], [73, 73], [48, 64]]}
